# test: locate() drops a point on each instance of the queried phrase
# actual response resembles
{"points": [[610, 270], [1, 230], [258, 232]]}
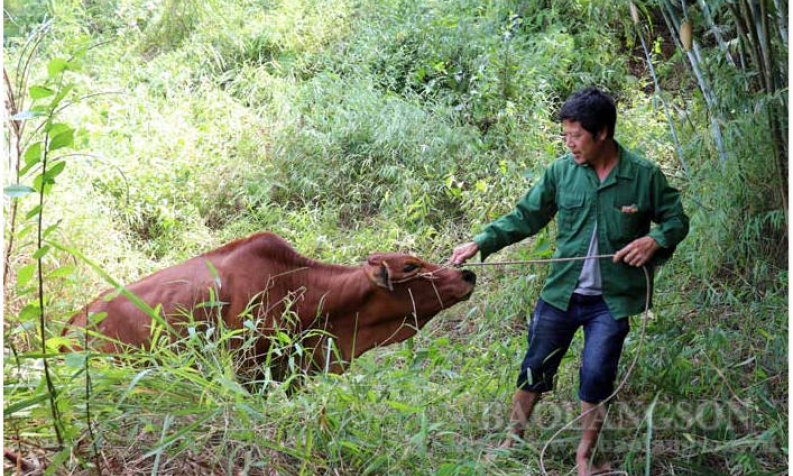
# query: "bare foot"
{"points": [[585, 468], [505, 446]]}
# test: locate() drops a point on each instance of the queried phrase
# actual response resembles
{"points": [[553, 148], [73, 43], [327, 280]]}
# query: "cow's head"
{"points": [[407, 286], [393, 297]]}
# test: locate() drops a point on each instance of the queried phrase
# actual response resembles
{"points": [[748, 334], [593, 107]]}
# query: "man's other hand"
{"points": [[461, 254], [638, 252]]}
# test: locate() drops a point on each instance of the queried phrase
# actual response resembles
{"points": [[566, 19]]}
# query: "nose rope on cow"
{"points": [[429, 276], [630, 368]]}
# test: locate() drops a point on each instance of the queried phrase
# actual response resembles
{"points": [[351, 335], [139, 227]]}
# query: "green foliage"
{"points": [[349, 127], [42, 167]]}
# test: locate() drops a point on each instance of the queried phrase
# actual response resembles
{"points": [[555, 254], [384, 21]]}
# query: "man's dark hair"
{"points": [[593, 108]]}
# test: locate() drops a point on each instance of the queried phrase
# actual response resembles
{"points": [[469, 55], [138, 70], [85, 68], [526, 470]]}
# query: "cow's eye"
{"points": [[409, 268]]}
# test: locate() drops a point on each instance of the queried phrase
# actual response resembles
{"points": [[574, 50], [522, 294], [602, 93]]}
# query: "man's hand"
{"points": [[638, 252], [461, 254]]}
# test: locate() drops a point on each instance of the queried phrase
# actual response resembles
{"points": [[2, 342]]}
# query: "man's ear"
{"points": [[381, 276]]}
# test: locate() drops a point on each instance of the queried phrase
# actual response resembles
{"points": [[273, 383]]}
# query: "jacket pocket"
{"points": [[571, 212], [626, 223]]}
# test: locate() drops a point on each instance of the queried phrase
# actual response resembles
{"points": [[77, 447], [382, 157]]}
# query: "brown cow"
{"points": [[263, 278]]}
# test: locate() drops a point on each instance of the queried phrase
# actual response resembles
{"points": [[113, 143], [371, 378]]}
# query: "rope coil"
{"points": [[630, 367]]}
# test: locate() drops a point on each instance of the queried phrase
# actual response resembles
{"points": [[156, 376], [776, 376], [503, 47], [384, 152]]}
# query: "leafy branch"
{"points": [[37, 170]]}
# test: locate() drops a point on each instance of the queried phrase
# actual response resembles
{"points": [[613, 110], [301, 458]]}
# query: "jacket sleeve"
{"points": [[530, 215], [672, 222]]}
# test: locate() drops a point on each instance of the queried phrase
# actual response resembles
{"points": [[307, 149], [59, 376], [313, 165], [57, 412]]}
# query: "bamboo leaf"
{"points": [[33, 212], [132, 386], [166, 442], [29, 114], [21, 234], [58, 461], [50, 229], [33, 153], [74, 360], [24, 170], [649, 437], [49, 176], [25, 274], [57, 66], [41, 252], [61, 94], [62, 271], [11, 409], [30, 311], [55, 343], [39, 92], [18, 190], [55, 128], [402, 407], [63, 139]]}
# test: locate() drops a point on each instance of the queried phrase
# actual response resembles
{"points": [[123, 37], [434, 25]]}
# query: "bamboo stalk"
{"points": [[779, 163], [678, 147], [780, 147], [704, 87], [14, 162], [761, 54], [781, 20], [743, 37], [757, 17], [760, 12], [781, 63], [706, 11], [51, 391], [754, 40], [738, 17], [752, 27], [89, 422], [766, 47], [693, 55], [775, 80], [742, 57]]}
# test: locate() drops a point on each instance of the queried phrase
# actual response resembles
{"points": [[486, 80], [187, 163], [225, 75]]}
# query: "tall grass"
{"points": [[355, 126]]}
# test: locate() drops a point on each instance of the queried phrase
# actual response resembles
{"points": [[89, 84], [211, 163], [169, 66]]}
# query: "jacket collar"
{"points": [[626, 168]]}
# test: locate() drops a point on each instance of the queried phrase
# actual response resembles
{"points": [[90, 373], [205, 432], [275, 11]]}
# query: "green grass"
{"points": [[349, 127]]}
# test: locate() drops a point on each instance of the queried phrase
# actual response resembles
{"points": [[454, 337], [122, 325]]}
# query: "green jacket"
{"points": [[635, 193]]}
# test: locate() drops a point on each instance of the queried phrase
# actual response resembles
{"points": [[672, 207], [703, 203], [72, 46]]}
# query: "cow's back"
{"points": [[258, 274], [176, 290], [220, 283]]}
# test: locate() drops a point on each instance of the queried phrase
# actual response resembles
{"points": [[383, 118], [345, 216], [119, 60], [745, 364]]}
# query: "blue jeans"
{"points": [[550, 334]]}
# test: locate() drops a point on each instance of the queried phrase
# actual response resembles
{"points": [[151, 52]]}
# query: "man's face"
{"points": [[583, 144]]}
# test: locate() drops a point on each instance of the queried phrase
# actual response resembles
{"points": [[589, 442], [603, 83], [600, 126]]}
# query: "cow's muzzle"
{"points": [[469, 276]]}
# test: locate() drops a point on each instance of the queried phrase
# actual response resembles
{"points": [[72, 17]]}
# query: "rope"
{"points": [[537, 261], [630, 368]]}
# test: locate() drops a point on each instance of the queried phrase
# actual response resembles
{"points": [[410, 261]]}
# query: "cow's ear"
{"points": [[375, 259], [381, 276]]}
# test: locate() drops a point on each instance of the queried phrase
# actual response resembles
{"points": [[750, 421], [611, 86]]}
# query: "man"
{"points": [[605, 198]]}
